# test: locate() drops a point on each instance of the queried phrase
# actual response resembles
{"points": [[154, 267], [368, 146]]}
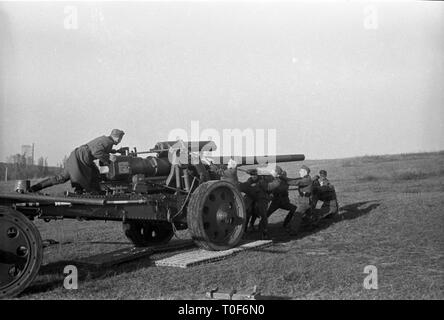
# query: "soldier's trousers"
{"points": [[329, 205], [332, 206], [282, 203], [302, 206], [65, 176], [250, 207], [260, 209]]}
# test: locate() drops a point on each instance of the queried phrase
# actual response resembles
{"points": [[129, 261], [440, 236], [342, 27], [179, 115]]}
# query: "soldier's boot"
{"points": [[246, 227], [44, 184], [333, 208], [77, 188], [264, 235], [248, 220], [294, 224], [252, 222], [263, 227], [288, 219]]}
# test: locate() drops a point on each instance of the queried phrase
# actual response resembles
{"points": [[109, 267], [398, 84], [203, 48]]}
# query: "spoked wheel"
{"points": [[216, 215], [146, 233], [21, 252]]}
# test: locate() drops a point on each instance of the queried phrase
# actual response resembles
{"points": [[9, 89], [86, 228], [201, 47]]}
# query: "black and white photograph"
{"points": [[221, 154]]}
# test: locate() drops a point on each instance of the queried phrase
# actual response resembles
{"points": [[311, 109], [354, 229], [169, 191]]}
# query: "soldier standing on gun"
{"points": [[80, 167], [280, 199], [305, 187]]}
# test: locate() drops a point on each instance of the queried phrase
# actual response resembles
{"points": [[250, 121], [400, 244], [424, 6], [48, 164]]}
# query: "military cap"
{"points": [[305, 168], [323, 173], [117, 133]]}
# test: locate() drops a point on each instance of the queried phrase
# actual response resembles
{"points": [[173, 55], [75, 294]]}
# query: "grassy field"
{"points": [[391, 216]]}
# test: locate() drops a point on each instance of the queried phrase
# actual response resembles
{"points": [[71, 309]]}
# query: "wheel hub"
{"points": [[216, 215], [14, 247], [225, 215], [220, 214], [20, 252]]}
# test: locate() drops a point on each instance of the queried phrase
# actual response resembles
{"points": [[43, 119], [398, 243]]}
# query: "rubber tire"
{"points": [[138, 232], [32, 268], [195, 211]]}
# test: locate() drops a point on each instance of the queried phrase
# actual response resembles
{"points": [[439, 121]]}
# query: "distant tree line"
{"points": [[19, 167]]}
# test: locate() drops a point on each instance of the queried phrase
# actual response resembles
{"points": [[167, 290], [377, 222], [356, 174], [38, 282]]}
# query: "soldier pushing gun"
{"points": [[324, 191], [256, 190], [303, 203], [280, 198]]}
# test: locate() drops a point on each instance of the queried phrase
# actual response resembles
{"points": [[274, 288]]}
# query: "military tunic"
{"points": [[324, 191], [323, 181], [80, 167], [281, 200], [305, 188], [257, 192]]}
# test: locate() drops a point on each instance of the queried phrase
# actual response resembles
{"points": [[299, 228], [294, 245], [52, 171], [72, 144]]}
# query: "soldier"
{"points": [[280, 199], [318, 182], [323, 181], [249, 198], [80, 167], [305, 186], [252, 193], [201, 165], [257, 189], [323, 190], [226, 173]]}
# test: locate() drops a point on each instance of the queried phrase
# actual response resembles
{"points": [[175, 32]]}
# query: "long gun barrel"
{"points": [[160, 165], [251, 160]]}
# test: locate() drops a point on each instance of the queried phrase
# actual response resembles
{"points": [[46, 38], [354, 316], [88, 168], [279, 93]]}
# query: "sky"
{"points": [[334, 79]]}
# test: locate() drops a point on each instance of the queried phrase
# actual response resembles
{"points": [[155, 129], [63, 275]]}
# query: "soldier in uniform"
{"points": [[280, 199], [255, 198], [323, 190], [257, 191], [303, 203], [323, 181], [226, 173], [80, 167]]}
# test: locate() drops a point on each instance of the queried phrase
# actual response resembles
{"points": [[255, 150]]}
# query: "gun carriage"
{"points": [[170, 189]]}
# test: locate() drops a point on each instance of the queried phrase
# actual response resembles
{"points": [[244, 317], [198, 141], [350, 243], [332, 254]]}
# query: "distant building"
{"points": [[28, 153], [25, 157]]}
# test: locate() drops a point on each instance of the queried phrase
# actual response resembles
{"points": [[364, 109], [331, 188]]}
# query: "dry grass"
{"points": [[405, 175], [391, 217]]}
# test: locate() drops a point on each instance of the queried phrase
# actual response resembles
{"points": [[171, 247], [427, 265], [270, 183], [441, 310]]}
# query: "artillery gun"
{"points": [[171, 189]]}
